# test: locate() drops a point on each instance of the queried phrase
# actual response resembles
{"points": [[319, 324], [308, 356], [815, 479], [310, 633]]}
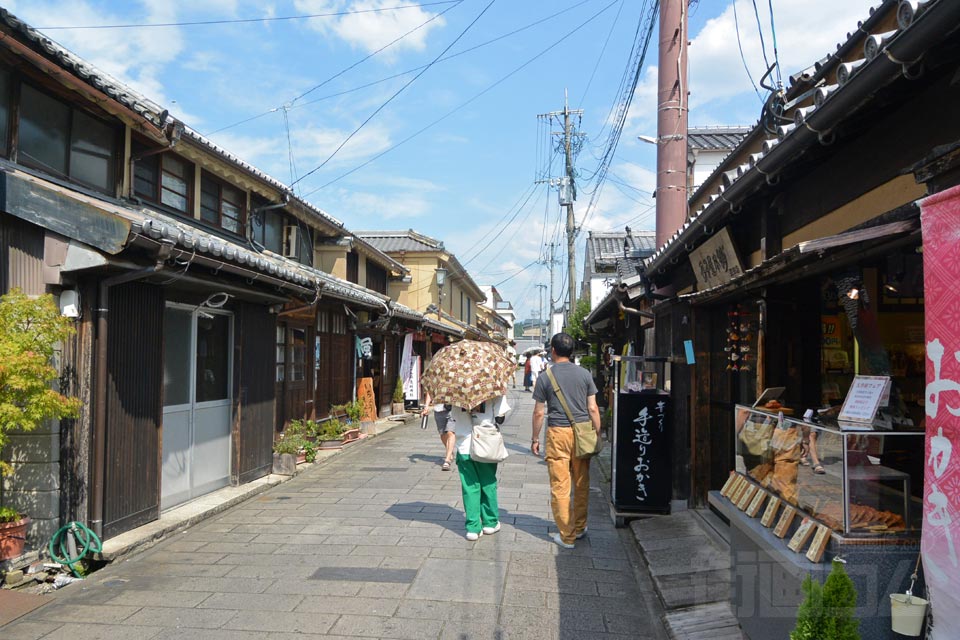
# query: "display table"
{"points": [[767, 575]]}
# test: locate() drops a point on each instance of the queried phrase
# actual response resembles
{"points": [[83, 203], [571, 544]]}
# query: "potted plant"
{"points": [[295, 445], [398, 408], [354, 412], [13, 533], [330, 434], [30, 329]]}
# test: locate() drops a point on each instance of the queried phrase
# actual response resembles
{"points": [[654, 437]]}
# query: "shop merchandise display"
{"points": [[741, 347]]}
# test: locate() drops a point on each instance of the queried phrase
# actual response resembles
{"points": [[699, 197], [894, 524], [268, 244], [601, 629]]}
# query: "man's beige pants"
{"points": [[565, 468]]}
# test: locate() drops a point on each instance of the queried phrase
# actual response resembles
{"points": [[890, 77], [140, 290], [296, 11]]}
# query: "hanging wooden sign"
{"points": [[715, 262]]}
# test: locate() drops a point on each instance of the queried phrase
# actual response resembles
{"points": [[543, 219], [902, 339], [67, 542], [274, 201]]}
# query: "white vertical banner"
{"points": [[407, 369], [411, 385]]}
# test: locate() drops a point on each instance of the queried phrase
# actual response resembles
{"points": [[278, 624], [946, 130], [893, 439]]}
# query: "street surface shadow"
{"points": [[452, 518]]}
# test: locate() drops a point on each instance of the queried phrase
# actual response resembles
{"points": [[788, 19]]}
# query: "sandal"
{"points": [[445, 466], [818, 469], [805, 461]]}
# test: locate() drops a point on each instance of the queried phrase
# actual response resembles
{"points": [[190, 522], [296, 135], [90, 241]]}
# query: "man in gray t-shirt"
{"points": [[563, 466]]}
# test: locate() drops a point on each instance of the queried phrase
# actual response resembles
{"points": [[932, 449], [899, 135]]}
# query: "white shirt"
{"points": [[464, 420], [536, 364]]}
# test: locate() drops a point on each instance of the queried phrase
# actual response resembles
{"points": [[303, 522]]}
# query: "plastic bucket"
{"points": [[907, 613]]}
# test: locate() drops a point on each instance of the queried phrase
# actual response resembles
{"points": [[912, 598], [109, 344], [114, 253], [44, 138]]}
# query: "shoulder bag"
{"points": [[586, 442], [486, 444]]}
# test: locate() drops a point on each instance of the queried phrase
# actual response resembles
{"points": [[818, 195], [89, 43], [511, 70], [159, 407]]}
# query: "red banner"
{"points": [[940, 221]]}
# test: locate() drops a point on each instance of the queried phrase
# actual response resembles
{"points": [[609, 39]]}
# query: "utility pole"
{"points": [[540, 288], [567, 190], [672, 110]]}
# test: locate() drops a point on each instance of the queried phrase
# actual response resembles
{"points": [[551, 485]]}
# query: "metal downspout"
{"points": [[98, 441]]}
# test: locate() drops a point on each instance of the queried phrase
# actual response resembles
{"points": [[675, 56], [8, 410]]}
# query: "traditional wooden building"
{"points": [[800, 267], [204, 317]]}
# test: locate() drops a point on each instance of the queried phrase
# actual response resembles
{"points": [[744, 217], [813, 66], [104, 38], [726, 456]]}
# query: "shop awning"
{"points": [[814, 257]]}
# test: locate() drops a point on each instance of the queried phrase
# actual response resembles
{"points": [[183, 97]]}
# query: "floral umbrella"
{"points": [[467, 373]]}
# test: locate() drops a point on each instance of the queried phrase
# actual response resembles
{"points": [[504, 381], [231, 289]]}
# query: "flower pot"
{"points": [[13, 536], [350, 435], [907, 614], [398, 409], [284, 464], [330, 444]]}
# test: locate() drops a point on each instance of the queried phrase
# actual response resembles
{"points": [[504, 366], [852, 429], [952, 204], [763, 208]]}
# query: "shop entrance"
{"points": [[197, 403]]}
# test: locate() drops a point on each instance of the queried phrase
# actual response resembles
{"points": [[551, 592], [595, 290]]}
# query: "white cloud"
{"points": [[371, 30], [806, 32], [385, 207]]}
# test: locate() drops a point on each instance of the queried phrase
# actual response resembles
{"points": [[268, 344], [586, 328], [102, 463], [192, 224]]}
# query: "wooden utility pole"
{"points": [[672, 108]]}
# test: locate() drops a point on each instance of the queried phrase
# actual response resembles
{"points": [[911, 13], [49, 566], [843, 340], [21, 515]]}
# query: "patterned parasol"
{"points": [[467, 373]]}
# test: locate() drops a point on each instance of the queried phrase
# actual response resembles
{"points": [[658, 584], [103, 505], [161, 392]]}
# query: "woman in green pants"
{"points": [[478, 480]]}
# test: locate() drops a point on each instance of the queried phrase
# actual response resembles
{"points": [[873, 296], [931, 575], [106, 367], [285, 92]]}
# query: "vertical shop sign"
{"points": [[940, 220]]}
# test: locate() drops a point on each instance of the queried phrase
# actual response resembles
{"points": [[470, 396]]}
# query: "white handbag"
{"points": [[486, 444]]}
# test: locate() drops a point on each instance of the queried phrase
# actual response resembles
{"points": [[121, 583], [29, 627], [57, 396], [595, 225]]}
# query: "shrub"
{"points": [[398, 391], [30, 329], [826, 612], [353, 410]]}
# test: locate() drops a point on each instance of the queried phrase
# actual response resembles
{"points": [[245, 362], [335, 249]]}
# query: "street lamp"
{"points": [[441, 280]]}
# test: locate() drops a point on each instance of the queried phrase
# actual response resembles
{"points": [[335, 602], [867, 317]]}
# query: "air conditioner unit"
{"points": [[291, 242]]}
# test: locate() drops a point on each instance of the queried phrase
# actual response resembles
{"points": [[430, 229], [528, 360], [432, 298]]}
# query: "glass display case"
{"points": [[859, 482]]}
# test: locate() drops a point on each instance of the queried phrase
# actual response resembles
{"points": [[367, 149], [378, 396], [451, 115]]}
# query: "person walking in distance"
{"points": [[447, 430], [566, 471], [536, 367]]}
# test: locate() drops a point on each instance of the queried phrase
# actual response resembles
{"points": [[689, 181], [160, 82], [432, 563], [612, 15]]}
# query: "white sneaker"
{"points": [[473, 537], [582, 533], [560, 543], [489, 531]]}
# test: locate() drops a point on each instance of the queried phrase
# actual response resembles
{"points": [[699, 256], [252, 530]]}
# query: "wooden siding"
{"points": [[134, 396], [21, 256], [256, 361]]}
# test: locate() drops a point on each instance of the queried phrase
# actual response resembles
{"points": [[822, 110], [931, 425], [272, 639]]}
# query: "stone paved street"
{"points": [[370, 544]]}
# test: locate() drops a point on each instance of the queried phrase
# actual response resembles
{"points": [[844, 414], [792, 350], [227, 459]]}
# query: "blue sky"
{"points": [[469, 179]]}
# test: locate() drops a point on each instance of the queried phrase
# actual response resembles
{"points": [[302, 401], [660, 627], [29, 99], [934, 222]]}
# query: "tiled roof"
{"points": [[396, 241], [628, 267], [715, 138], [605, 249]]}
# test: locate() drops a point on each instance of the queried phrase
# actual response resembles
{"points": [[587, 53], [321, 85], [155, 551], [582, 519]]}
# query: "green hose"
{"points": [[87, 541]]}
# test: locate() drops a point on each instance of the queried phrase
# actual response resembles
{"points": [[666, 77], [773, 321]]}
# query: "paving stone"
{"points": [[159, 598], [191, 570], [252, 602], [351, 625], [308, 623], [349, 605], [90, 631], [84, 613], [29, 630], [460, 581], [170, 617]]}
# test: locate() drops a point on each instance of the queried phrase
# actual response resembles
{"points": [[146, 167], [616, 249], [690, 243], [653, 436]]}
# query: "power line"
{"points": [[516, 205], [638, 56], [402, 73], [391, 98], [466, 103], [776, 56], [736, 23], [763, 45], [603, 50], [144, 25], [367, 57]]}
